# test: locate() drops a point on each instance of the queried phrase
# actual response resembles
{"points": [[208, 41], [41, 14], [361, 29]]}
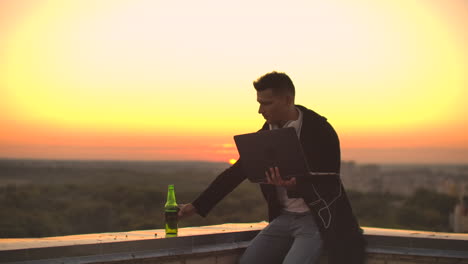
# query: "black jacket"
{"points": [[324, 195]]}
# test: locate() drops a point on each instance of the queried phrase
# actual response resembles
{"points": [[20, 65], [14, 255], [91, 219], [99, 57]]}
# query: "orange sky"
{"points": [[173, 80]]}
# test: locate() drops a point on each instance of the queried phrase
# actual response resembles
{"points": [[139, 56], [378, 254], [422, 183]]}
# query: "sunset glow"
{"points": [[172, 80]]}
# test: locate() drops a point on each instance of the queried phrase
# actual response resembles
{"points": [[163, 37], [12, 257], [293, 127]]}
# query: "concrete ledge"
{"points": [[416, 243], [132, 250], [148, 244], [219, 244]]}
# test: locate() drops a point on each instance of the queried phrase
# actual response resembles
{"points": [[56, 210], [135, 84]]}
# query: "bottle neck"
{"points": [[171, 199]]}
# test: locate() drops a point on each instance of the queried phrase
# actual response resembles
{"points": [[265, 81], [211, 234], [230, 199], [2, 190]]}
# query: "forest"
{"points": [[54, 198]]}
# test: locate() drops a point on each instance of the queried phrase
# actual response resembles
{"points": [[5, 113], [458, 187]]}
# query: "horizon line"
{"points": [[226, 162]]}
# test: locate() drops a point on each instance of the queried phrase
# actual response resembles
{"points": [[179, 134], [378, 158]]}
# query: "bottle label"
{"points": [[171, 220]]}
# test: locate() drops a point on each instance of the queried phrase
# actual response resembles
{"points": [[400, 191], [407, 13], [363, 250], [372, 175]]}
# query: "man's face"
{"points": [[274, 108]]}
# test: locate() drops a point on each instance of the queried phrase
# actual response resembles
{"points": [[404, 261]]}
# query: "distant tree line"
{"points": [[39, 199], [38, 210]]}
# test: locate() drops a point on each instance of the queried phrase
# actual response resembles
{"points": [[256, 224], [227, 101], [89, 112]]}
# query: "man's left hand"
{"points": [[273, 177]]}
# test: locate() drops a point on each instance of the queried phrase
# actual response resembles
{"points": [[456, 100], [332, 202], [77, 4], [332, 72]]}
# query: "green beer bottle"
{"points": [[170, 212]]}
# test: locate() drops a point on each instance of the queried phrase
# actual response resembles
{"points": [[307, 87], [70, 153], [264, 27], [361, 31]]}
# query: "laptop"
{"points": [[271, 148]]}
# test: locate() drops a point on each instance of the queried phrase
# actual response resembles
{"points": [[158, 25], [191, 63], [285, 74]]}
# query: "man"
{"points": [[307, 214]]}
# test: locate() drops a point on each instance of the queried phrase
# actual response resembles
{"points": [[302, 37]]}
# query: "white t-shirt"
{"points": [[296, 205]]}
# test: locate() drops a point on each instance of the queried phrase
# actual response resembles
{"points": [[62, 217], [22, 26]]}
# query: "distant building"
{"points": [[403, 179], [460, 216]]}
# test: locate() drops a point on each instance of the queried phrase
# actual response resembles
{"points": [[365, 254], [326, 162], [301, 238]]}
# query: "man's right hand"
{"points": [[186, 210]]}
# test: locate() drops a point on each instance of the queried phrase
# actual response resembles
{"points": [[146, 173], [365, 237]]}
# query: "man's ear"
{"points": [[289, 99]]}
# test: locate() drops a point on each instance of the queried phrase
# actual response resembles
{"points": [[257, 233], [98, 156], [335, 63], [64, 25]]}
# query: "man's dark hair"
{"points": [[278, 82]]}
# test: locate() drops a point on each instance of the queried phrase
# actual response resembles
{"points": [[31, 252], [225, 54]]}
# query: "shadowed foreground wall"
{"points": [[220, 244]]}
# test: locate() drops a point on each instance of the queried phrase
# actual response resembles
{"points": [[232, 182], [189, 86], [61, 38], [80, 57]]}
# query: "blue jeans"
{"points": [[291, 238]]}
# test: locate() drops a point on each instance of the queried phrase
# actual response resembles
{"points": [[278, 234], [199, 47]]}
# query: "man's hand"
{"points": [[186, 210], [273, 177]]}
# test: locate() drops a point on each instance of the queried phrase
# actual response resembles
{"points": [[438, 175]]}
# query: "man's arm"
{"points": [[322, 148], [225, 183]]}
